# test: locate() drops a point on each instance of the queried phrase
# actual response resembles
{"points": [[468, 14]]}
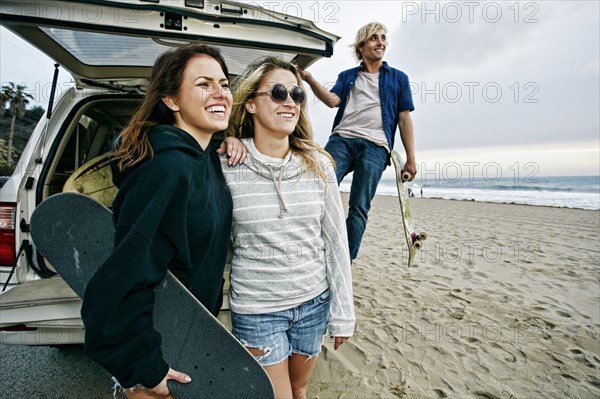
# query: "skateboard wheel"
{"points": [[406, 176], [417, 244], [424, 236]]}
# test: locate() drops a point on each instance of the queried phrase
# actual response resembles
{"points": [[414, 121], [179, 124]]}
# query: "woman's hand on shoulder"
{"points": [[236, 151], [162, 388]]}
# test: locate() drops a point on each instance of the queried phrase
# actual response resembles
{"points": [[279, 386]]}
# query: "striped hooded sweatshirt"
{"points": [[289, 238]]}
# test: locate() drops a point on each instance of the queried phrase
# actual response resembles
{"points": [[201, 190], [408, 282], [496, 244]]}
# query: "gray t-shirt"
{"points": [[362, 116]]}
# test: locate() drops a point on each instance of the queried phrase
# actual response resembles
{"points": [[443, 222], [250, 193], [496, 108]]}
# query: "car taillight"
{"points": [[7, 233]]}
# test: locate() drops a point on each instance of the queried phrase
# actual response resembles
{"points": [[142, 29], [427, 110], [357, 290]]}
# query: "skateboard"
{"points": [[75, 234], [94, 179], [414, 241]]}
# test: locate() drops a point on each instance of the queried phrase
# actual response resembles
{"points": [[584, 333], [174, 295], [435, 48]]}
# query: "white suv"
{"points": [[109, 46]]}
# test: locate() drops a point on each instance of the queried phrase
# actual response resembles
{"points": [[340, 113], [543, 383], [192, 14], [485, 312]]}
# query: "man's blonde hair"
{"points": [[364, 34]]}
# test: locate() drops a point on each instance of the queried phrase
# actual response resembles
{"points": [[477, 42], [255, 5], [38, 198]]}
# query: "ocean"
{"points": [[566, 192]]}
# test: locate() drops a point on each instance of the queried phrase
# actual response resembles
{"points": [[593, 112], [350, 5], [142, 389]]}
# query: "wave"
{"points": [[584, 195], [574, 185]]}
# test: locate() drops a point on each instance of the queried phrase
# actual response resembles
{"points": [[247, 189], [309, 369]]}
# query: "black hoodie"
{"points": [[172, 211]]}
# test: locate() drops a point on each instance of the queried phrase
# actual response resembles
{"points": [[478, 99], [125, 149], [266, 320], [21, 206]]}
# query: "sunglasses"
{"points": [[279, 94]]}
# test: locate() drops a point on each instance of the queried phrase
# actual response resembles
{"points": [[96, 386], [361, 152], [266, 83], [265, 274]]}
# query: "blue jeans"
{"points": [[279, 334], [368, 161]]}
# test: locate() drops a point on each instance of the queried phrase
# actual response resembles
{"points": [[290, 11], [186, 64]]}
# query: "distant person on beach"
{"points": [[373, 99], [290, 273]]}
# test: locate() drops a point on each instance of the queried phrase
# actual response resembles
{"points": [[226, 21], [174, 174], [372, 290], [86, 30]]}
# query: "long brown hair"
{"points": [[133, 145], [241, 124]]}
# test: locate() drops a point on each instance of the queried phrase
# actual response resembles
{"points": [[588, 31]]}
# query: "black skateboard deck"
{"points": [[75, 234]]}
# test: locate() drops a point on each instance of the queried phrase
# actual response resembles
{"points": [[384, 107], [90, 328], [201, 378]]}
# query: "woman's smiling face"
{"points": [[204, 101], [278, 119]]}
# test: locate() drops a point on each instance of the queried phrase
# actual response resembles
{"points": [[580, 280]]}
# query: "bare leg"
{"points": [[279, 375], [300, 370]]}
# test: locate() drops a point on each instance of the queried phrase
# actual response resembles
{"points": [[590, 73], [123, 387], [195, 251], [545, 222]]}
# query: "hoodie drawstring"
{"points": [[282, 207]]}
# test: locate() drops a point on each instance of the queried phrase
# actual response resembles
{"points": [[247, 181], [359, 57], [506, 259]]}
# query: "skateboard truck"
{"points": [[417, 238]]}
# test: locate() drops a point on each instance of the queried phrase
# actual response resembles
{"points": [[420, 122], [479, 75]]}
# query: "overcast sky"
{"points": [[499, 86]]}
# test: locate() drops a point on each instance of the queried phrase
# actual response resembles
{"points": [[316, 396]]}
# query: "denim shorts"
{"points": [[279, 334]]}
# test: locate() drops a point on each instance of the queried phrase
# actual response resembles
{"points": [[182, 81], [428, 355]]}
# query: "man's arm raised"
{"points": [[328, 98]]}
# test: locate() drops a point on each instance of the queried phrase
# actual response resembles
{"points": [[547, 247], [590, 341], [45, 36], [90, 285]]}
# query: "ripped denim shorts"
{"points": [[279, 334]]}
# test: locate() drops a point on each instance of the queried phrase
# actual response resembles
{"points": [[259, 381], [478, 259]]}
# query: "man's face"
{"points": [[374, 48]]}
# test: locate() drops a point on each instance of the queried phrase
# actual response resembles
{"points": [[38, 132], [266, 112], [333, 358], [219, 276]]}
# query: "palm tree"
{"points": [[18, 99], [3, 101]]}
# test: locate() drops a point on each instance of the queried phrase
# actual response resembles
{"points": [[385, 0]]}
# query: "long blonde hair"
{"points": [[241, 124], [133, 145], [363, 34]]}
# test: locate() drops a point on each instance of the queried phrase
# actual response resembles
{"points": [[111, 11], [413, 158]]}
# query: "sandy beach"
{"points": [[502, 302]]}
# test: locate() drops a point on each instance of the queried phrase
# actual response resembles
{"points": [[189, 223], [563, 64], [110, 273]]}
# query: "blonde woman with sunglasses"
{"points": [[290, 279]]}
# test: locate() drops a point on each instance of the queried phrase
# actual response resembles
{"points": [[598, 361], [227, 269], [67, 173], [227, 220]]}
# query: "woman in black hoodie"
{"points": [[172, 211]]}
